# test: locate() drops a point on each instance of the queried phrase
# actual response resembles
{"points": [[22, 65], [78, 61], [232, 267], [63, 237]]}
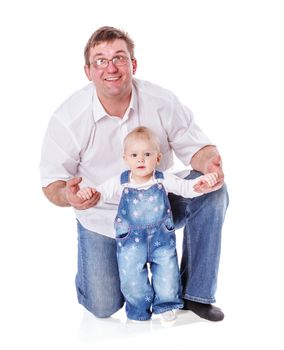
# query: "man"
{"points": [[83, 147]]}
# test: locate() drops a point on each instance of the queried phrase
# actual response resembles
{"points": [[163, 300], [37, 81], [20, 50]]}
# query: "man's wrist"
{"points": [[201, 158], [64, 198]]}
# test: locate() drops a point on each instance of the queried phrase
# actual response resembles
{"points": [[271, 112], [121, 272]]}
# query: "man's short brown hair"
{"points": [[107, 34]]}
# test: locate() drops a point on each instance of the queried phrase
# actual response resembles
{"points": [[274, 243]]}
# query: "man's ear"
{"points": [[87, 71], [134, 65]]}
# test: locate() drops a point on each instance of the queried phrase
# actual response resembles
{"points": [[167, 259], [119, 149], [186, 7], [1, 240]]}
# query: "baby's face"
{"points": [[141, 157]]}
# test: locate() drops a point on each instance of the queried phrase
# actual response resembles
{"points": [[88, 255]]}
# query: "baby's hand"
{"points": [[86, 193], [206, 182]]}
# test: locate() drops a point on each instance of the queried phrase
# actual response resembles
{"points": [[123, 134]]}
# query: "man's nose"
{"points": [[111, 67]]}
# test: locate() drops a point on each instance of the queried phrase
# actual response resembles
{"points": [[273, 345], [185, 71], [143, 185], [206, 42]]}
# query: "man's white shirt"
{"points": [[83, 141]]}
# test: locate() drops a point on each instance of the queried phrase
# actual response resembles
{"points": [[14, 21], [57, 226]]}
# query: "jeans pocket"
{"points": [[169, 225], [122, 235], [121, 229]]}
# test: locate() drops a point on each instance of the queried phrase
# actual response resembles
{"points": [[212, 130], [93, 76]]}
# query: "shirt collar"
{"points": [[99, 111]]}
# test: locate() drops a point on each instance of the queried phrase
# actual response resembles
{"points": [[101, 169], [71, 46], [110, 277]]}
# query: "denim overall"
{"points": [[146, 239]]}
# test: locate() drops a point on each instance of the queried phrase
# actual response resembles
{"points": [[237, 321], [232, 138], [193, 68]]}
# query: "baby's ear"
{"points": [[125, 160], [159, 157]]}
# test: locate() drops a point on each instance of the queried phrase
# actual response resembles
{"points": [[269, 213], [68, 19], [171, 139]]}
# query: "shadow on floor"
{"points": [[94, 330]]}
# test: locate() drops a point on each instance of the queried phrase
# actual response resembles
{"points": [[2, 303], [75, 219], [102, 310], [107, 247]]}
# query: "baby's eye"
{"points": [[147, 154], [133, 155]]}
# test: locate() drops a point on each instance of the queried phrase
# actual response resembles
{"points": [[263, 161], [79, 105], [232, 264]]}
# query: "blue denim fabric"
{"points": [[145, 237], [97, 280], [202, 218]]}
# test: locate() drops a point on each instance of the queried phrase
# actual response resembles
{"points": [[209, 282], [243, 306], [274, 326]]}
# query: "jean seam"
{"points": [[173, 307], [200, 299], [81, 285]]}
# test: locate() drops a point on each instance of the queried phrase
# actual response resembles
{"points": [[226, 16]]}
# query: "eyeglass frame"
{"points": [[127, 59]]}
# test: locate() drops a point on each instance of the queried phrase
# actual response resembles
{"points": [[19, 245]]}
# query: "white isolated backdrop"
{"points": [[224, 60]]}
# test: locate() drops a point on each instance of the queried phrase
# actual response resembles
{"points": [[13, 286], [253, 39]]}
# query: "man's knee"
{"points": [[104, 313], [99, 304], [101, 311], [221, 197]]}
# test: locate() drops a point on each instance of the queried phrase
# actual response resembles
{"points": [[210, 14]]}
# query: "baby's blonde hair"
{"points": [[145, 133]]}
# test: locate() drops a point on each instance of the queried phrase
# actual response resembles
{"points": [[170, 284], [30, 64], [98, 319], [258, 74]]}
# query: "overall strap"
{"points": [[124, 177], [159, 175]]}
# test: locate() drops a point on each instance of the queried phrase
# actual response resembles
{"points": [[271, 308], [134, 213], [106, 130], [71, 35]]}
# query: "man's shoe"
{"points": [[207, 311]]}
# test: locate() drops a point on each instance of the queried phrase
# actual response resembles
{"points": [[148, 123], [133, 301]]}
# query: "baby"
{"points": [[144, 226]]}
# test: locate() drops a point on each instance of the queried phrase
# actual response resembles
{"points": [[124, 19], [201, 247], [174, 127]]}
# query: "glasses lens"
{"points": [[119, 60], [102, 63]]}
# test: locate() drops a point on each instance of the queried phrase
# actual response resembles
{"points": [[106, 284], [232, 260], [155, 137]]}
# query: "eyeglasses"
{"points": [[102, 63]]}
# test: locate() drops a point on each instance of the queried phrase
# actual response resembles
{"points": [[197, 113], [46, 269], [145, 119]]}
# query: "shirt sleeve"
{"points": [[184, 135], [179, 186], [60, 154], [110, 190]]}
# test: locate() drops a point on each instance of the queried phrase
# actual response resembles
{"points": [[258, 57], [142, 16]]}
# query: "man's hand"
{"points": [[64, 194], [208, 160], [214, 165], [72, 187]]}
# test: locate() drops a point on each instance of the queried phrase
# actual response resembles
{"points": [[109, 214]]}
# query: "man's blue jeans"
{"points": [[97, 280]]}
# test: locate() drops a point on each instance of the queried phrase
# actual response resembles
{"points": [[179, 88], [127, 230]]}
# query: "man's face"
{"points": [[113, 80]]}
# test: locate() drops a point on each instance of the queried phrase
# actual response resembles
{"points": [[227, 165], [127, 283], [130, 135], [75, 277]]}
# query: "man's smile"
{"points": [[112, 78]]}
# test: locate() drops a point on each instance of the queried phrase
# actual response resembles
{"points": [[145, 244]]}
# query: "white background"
{"points": [[224, 59]]}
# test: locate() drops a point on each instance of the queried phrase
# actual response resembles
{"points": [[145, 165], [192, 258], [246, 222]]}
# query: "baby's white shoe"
{"points": [[168, 316]]}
